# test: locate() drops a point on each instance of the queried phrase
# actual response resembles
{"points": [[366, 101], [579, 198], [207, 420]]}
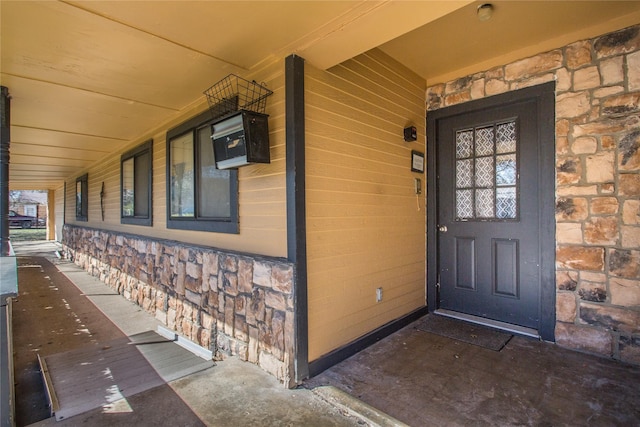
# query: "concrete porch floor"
{"points": [[60, 308], [415, 377], [423, 379]]}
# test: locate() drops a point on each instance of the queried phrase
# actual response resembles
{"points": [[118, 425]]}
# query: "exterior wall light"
{"points": [[410, 134], [484, 12]]}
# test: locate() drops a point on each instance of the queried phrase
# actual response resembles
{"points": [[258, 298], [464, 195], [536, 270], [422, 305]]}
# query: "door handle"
{"points": [[442, 228]]}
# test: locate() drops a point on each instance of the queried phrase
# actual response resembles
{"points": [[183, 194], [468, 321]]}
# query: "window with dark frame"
{"points": [[136, 185], [199, 196], [82, 198]]}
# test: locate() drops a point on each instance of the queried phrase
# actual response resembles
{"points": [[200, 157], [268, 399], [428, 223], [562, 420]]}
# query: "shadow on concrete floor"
{"points": [[60, 308], [50, 316], [424, 379]]}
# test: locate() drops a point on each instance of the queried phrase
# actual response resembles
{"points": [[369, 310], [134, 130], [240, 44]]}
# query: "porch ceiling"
{"points": [[89, 77]]}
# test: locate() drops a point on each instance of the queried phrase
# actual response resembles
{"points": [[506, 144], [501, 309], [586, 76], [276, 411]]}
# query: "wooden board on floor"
{"points": [[97, 376]]}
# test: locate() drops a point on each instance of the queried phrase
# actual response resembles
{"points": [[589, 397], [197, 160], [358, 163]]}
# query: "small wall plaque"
{"points": [[417, 161]]}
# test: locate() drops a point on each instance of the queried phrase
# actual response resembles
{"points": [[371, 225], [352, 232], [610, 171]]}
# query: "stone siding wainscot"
{"points": [[597, 182], [232, 304]]}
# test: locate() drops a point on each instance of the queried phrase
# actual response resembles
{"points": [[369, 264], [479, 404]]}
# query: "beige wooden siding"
{"points": [[262, 192], [365, 224]]}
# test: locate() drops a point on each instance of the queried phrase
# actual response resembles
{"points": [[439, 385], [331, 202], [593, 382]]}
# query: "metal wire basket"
{"points": [[233, 93]]}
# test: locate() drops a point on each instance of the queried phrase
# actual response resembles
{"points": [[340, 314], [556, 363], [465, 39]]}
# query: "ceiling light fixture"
{"points": [[484, 12]]}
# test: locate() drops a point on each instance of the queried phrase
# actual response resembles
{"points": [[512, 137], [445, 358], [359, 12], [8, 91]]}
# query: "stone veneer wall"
{"points": [[231, 304], [597, 182]]}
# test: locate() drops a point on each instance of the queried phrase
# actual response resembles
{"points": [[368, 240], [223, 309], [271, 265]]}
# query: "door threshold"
{"points": [[507, 327]]}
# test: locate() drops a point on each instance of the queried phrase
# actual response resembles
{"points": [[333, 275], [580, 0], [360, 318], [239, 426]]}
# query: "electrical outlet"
{"points": [[378, 294]]}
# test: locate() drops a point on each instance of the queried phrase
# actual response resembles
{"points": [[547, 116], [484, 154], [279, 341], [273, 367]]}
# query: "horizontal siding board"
{"points": [[353, 252], [365, 222], [348, 82], [322, 196], [358, 170], [267, 223], [402, 275], [348, 326], [261, 196], [267, 209], [349, 130], [30, 161], [357, 318], [349, 138], [343, 78], [365, 225], [365, 188], [356, 254], [351, 93], [377, 191], [349, 239], [322, 97], [394, 71], [353, 147], [332, 111], [376, 78], [402, 72], [260, 171], [363, 205], [84, 154], [357, 322], [256, 182], [329, 150], [349, 256]]}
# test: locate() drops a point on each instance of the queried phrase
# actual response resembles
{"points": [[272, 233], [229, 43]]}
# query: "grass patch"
{"points": [[25, 234]]}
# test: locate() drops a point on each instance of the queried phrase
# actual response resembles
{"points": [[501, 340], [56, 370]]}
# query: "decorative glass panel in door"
{"points": [[487, 173]]}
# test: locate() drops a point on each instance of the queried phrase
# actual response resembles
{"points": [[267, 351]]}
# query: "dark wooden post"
{"points": [[5, 108]]}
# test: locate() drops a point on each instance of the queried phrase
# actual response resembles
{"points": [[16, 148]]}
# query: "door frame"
{"points": [[544, 97]]}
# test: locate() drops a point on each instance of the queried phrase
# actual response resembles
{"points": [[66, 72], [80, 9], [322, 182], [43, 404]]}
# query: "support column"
{"points": [[296, 214], [8, 272], [5, 108], [51, 215]]}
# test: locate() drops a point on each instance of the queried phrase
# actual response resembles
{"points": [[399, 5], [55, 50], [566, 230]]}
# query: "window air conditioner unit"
{"points": [[240, 139]]}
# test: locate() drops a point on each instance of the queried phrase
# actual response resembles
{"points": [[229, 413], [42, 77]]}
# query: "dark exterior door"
{"points": [[490, 218]]}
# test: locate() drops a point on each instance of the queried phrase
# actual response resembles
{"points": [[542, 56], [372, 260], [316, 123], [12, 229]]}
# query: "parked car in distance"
{"points": [[24, 221]]}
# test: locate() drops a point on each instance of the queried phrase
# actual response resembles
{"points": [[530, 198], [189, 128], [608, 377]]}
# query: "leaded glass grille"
{"points": [[506, 202], [484, 141], [506, 138], [487, 172], [484, 203], [464, 200], [484, 172], [506, 169], [464, 144], [464, 173]]}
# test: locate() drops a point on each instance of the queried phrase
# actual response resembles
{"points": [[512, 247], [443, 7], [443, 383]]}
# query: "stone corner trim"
{"points": [[232, 304]]}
